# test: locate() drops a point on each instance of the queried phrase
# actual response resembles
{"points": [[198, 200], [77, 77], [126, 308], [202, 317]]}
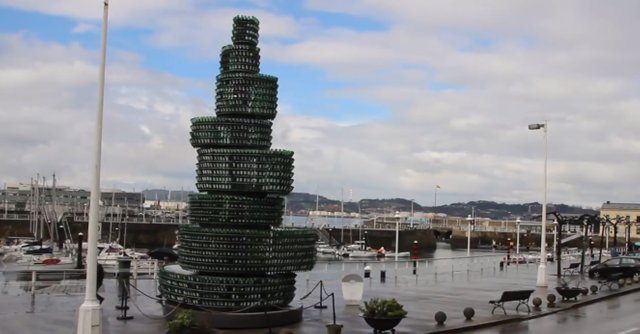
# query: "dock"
{"points": [[444, 284]]}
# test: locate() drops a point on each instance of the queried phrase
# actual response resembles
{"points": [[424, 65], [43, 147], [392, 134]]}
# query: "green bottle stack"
{"points": [[234, 255]]}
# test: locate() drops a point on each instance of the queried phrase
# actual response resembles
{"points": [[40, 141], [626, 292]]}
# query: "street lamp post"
{"points": [[90, 312], [627, 234], [518, 236], [397, 216], [412, 212], [469, 220], [542, 269], [555, 238]]}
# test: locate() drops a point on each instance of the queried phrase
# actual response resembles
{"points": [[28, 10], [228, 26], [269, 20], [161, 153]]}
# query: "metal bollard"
{"points": [[33, 282], [124, 268]]}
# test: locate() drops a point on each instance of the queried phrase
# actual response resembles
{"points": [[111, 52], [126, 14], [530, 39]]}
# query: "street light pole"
{"points": [[555, 238], [397, 236], [412, 212], [542, 269], [518, 236], [469, 219], [90, 312]]}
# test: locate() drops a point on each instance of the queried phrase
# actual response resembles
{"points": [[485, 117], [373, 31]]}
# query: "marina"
{"points": [[447, 281]]}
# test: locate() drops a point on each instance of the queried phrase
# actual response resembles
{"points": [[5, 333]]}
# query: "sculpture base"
{"points": [[249, 320]]}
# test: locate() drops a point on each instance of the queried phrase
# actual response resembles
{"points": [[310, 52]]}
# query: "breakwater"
{"points": [[376, 238], [138, 235]]}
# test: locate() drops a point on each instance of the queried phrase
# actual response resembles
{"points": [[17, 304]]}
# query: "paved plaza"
{"points": [[447, 285]]}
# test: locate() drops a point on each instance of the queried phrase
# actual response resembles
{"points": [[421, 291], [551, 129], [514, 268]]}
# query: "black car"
{"points": [[628, 266]]}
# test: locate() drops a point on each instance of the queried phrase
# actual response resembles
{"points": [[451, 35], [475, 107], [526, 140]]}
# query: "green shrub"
{"points": [[181, 323], [383, 308]]}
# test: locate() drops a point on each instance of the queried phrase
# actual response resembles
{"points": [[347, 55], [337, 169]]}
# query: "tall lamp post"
{"points": [[542, 269], [90, 312], [469, 220], [435, 198], [412, 212], [518, 236], [555, 238], [397, 216]]}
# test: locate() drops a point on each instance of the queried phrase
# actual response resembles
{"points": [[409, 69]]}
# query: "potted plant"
{"points": [[382, 314], [567, 292], [181, 323]]}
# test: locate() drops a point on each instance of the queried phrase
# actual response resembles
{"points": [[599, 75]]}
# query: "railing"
{"points": [[140, 269], [433, 264]]}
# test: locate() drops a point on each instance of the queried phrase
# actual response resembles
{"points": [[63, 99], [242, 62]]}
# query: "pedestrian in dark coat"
{"points": [[99, 279]]}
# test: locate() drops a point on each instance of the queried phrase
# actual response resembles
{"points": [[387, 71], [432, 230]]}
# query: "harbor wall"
{"points": [[137, 235], [376, 238]]}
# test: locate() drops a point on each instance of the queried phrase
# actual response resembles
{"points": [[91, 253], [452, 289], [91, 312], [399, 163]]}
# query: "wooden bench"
{"points": [[572, 269], [610, 281], [521, 296]]}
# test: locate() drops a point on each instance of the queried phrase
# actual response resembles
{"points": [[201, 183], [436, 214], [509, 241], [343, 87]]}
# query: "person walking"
{"points": [[99, 279]]}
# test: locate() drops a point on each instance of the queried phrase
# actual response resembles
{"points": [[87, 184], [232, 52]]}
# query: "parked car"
{"points": [[628, 266]]}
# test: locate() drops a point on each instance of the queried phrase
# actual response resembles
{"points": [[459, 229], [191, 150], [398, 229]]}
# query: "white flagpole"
{"points": [[90, 312]]}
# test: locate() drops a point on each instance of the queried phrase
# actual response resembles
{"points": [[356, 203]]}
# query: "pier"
{"points": [[445, 282]]}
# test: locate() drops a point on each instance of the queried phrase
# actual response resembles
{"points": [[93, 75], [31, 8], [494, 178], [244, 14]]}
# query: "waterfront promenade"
{"points": [[447, 284]]}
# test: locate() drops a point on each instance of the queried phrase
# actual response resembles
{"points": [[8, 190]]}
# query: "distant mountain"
{"points": [[302, 203]]}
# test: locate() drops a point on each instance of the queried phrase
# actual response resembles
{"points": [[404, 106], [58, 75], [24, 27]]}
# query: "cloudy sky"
{"points": [[377, 98]]}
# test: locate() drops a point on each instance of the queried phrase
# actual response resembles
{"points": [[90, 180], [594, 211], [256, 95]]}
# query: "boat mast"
{"points": [[342, 215], [42, 203], [5, 201], [317, 199], [54, 220], [285, 207], [180, 205], [31, 227]]}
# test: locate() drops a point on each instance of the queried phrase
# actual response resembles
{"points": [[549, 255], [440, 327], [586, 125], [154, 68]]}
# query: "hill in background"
{"points": [[302, 203]]}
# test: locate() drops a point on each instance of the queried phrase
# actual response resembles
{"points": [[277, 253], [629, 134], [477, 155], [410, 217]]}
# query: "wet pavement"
{"points": [[447, 285]]}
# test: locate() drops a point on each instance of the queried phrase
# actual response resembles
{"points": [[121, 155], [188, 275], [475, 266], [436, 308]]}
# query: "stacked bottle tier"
{"points": [[209, 210], [233, 251], [226, 293], [230, 133], [244, 171], [245, 30], [246, 95]]}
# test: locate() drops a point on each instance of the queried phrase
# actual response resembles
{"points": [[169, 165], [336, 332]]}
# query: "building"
{"points": [[22, 197], [621, 214]]}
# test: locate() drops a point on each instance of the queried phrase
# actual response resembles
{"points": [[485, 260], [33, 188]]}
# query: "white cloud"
{"points": [[47, 108], [507, 64], [84, 27]]}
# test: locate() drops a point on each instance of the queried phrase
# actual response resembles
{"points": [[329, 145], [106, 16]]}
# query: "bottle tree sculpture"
{"points": [[234, 255]]}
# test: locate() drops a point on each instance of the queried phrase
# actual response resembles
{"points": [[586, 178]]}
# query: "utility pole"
{"points": [[90, 312]]}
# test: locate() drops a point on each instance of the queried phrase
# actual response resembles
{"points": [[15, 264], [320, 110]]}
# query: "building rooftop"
{"points": [[620, 206]]}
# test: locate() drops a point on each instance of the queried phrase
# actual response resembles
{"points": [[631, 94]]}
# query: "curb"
{"points": [[485, 324]]}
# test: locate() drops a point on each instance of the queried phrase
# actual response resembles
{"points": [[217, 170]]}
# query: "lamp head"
{"points": [[536, 126]]}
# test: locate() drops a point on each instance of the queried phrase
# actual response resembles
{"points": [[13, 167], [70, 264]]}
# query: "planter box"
{"points": [[382, 324], [569, 293]]}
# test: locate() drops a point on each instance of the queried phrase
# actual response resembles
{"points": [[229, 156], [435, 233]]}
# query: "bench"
{"points": [[572, 269], [521, 296], [610, 280]]}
